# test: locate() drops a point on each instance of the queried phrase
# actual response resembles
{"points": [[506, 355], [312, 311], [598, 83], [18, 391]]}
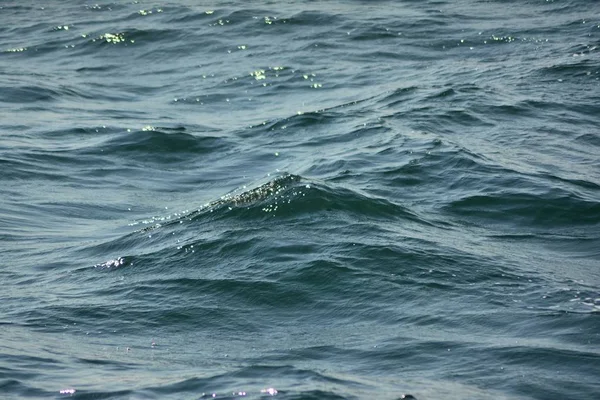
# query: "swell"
{"points": [[283, 200], [290, 196]]}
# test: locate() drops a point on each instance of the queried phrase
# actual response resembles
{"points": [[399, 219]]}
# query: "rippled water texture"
{"points": [[303, 200]]}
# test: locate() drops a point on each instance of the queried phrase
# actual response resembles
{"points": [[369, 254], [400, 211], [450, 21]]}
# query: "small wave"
{"points": [[163, 144], [399, 96], [523, 209], [34, 94], [300, 122], [579, 67], [590, 139], [315, 18], [254, 382], [54, 92]]}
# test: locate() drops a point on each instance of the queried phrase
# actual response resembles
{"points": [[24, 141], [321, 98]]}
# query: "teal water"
{"points": [[321, 200]]}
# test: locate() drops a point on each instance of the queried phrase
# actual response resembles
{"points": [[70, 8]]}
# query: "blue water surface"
{"points": [[334, 199]]}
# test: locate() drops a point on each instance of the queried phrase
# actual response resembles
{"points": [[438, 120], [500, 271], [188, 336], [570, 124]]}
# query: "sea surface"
{"points": [[334, 199]]}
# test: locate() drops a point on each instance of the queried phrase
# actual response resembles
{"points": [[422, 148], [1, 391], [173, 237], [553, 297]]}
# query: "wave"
{"points": [[291, 196], [165, 145], [548, 210]]}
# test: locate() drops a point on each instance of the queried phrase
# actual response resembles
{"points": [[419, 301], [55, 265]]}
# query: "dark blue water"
{"points": [[303, 200]]}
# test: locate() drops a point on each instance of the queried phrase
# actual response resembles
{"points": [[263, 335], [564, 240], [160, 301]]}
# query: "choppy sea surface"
{"points": [[334, 199]]}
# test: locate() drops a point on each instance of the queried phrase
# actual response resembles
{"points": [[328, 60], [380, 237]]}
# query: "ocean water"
{"points": [[334, 199]]}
